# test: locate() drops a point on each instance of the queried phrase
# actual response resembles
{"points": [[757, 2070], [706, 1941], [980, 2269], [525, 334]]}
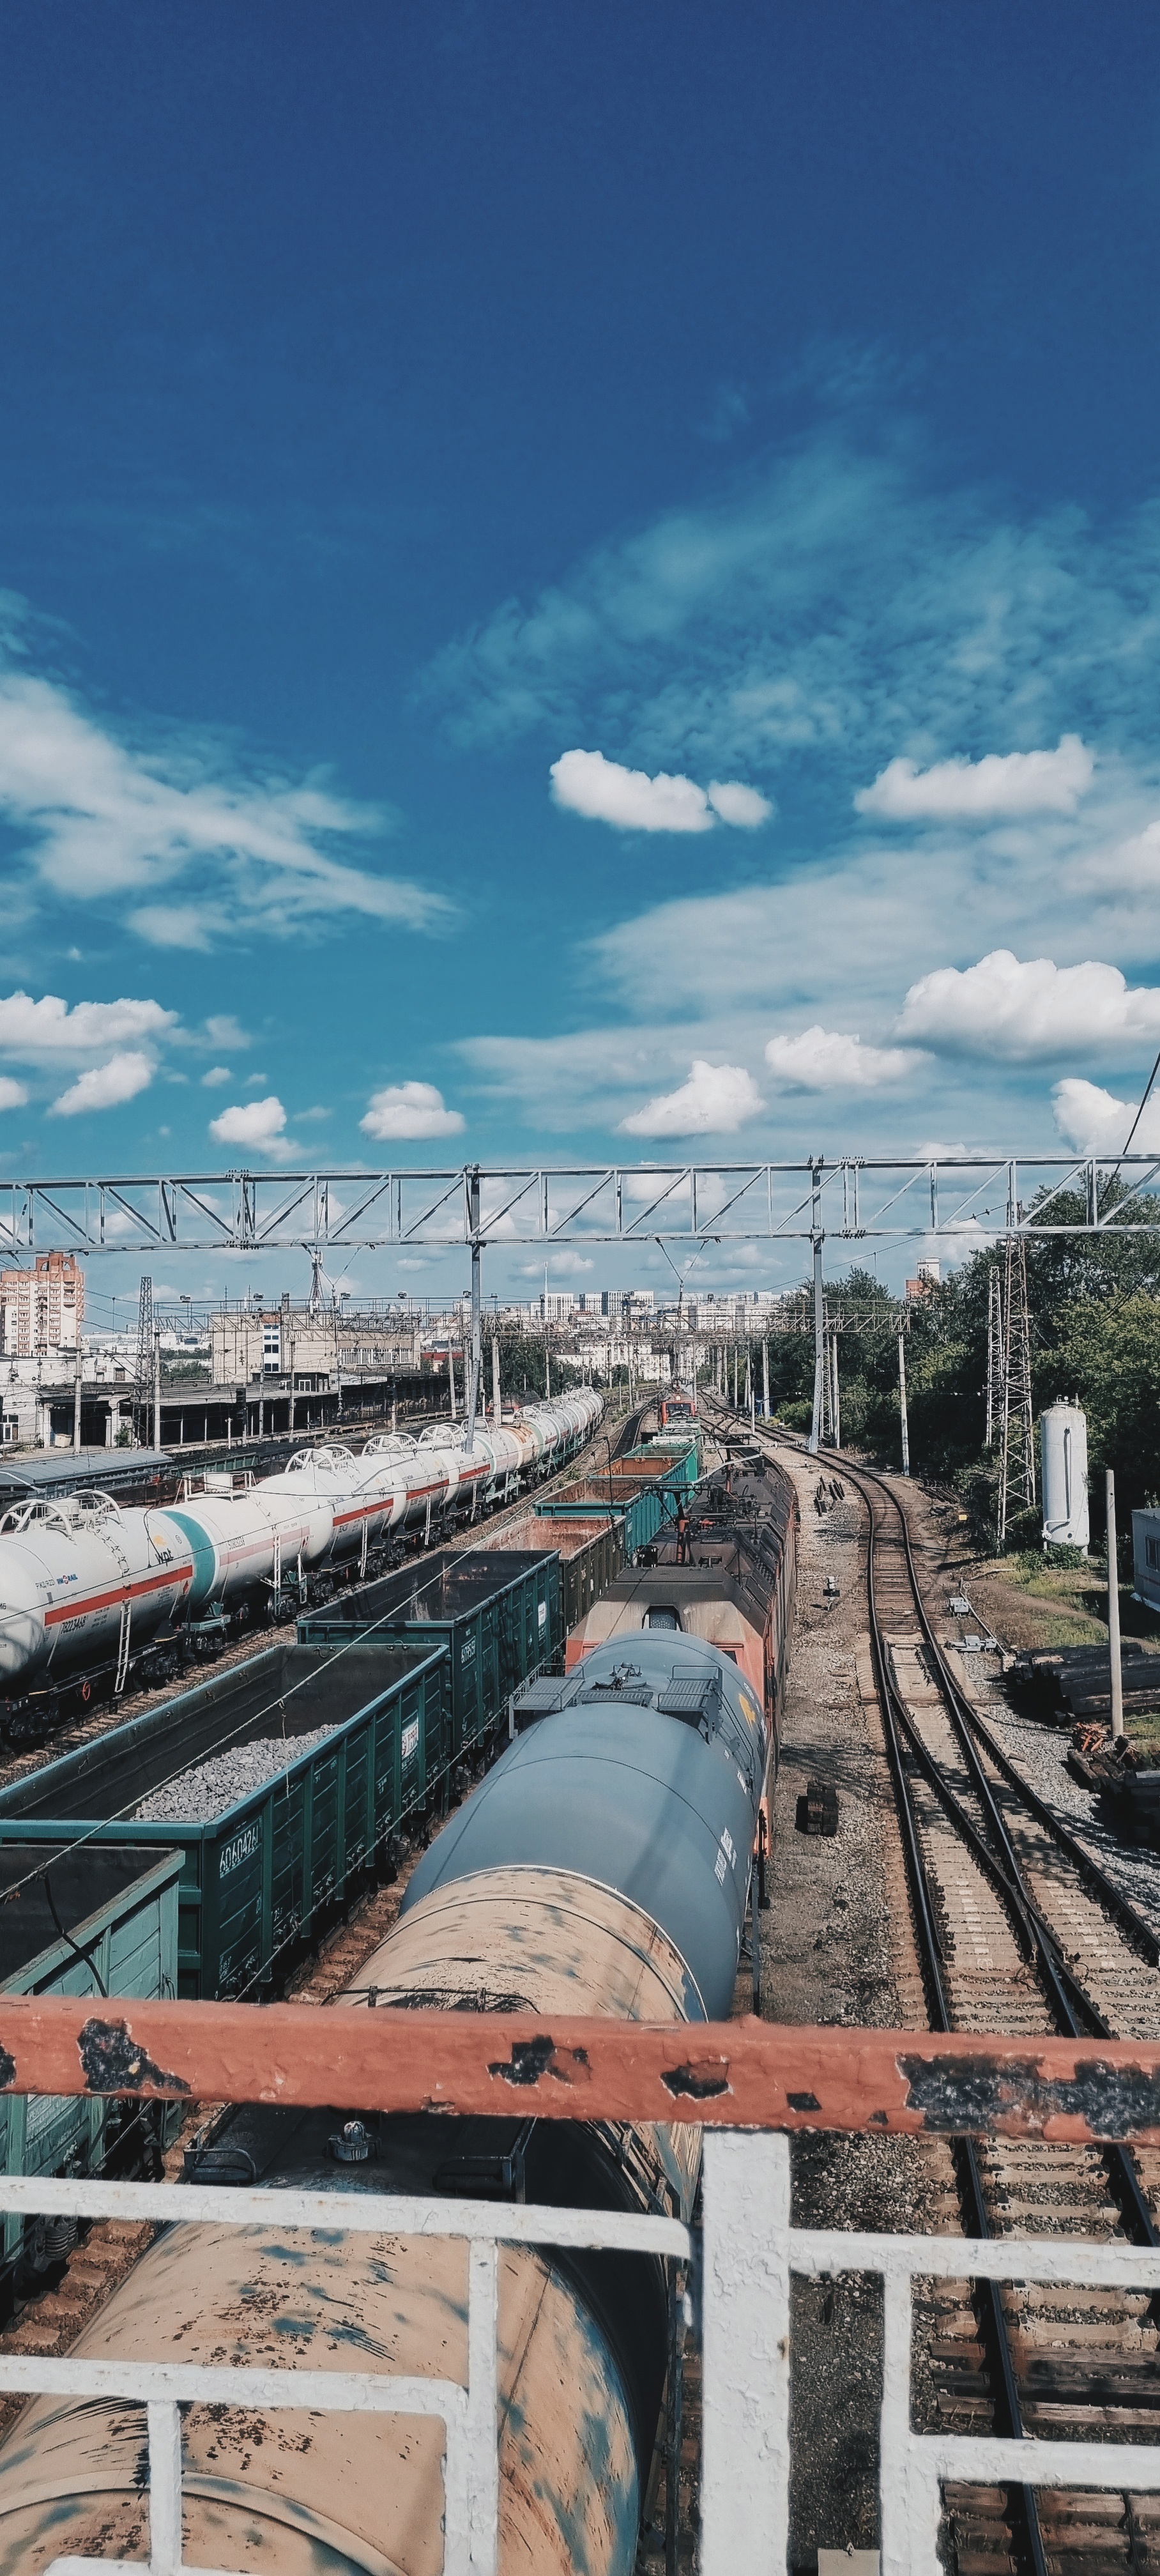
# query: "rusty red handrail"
{"points": [[739, 2074]]}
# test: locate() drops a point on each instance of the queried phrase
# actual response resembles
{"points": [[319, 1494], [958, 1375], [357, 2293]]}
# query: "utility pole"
{"points": [[819, 1313], [735, 1377], [765, 1379], [156, 1389], [835, 1399], [290, 1414], [77, 1373], [496, 1409], [1114, 1609], [476, 1351], [451, 1374], [902, 1401]]}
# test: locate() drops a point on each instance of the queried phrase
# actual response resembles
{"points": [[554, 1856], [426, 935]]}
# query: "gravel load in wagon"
{"points": [[361, 1744], [99, 1921], [498, 1616], [591, 1555], [208, 1788]]}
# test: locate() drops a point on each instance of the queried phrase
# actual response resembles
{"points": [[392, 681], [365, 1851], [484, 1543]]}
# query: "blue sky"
{"points": [[575, 583]]}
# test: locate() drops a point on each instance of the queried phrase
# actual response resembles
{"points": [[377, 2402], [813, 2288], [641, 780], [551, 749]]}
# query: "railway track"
{"points": [[101, 1718], [1017, 1931]]}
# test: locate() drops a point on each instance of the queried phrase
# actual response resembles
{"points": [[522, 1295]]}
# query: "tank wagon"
{"points": [[605, 1865], [93, 1596], [734, 1587]]}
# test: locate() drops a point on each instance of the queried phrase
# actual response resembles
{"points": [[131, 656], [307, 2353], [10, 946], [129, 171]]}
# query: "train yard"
{"points": [[920, 1869]]}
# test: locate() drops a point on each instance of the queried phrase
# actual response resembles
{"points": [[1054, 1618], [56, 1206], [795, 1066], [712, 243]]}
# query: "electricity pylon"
{"points": [[1017, 1459]]}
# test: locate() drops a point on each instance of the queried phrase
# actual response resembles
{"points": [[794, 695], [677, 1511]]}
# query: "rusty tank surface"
{"points": [[603, 1866]]}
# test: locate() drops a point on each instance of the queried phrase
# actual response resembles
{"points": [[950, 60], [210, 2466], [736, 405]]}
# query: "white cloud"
{"points": [[716, 1099], [737, 804], [107, 821], [218, 1073], [105, 1086], [1021, 1009], [1015, 782], [409, 1109], [1093, 1121], [40, 1032], [177, 925], [829, 1060], [259, 1124], [561, 1265], [586, 783], [12, 1094], [224, 1032]]}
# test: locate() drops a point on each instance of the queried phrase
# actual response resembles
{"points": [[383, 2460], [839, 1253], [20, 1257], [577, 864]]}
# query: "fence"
{"points": [[749, 2083]]}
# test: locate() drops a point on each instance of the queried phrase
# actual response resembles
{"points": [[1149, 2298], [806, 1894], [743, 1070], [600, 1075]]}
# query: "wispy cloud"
{"points": [[1016, 782], [831, 600], [109, 821]]}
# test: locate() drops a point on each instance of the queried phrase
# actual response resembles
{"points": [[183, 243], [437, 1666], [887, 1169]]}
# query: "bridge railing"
{"points": [[749, 2083]]}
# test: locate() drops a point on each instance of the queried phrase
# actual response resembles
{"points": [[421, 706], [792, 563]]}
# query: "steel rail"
{"points": [[1067, 1999], [989, 2293], [991, 2313]]}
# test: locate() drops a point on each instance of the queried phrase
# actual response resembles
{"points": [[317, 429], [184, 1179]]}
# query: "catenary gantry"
{"points": [[848, 1197]]}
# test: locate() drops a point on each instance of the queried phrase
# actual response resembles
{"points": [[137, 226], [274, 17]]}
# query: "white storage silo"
{"points": [[1063, 1456]]}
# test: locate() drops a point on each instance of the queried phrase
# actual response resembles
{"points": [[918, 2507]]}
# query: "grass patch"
{"points": [[1144, 1733]]}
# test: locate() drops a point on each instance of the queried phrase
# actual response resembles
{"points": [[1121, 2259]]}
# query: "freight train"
{"points": [[606, 1864], [93, 1596]]}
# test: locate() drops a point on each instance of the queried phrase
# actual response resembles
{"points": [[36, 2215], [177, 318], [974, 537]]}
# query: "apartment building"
{"points": [[42, 1309]]}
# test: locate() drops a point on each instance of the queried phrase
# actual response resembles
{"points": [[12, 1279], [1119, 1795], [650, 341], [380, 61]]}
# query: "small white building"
{"points": [[1146, 1555]]}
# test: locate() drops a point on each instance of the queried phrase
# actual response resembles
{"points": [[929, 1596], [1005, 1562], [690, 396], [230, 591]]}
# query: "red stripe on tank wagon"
{"points": [[73, 1608]]}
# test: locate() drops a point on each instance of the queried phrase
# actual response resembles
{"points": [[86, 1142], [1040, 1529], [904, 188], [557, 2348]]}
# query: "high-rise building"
{"points": [[42, 1309]]}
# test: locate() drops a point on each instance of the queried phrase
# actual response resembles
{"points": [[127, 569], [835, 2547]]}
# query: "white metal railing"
{"points": [[744, 2256]]}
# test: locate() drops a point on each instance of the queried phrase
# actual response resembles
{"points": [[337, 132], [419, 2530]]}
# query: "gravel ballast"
{"points": [[210, 1789]]}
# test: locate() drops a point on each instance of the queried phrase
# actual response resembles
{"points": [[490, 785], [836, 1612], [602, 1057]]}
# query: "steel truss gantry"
{"points": [[960, 1201]]}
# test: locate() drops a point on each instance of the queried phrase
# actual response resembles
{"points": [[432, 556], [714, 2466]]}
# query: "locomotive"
{"points": [[92, 1595], [606, 1864]]}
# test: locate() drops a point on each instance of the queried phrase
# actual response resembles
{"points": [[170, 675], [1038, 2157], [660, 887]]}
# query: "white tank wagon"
{"points": [[249, 1541], [83, 1583], [92, 1594]]}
